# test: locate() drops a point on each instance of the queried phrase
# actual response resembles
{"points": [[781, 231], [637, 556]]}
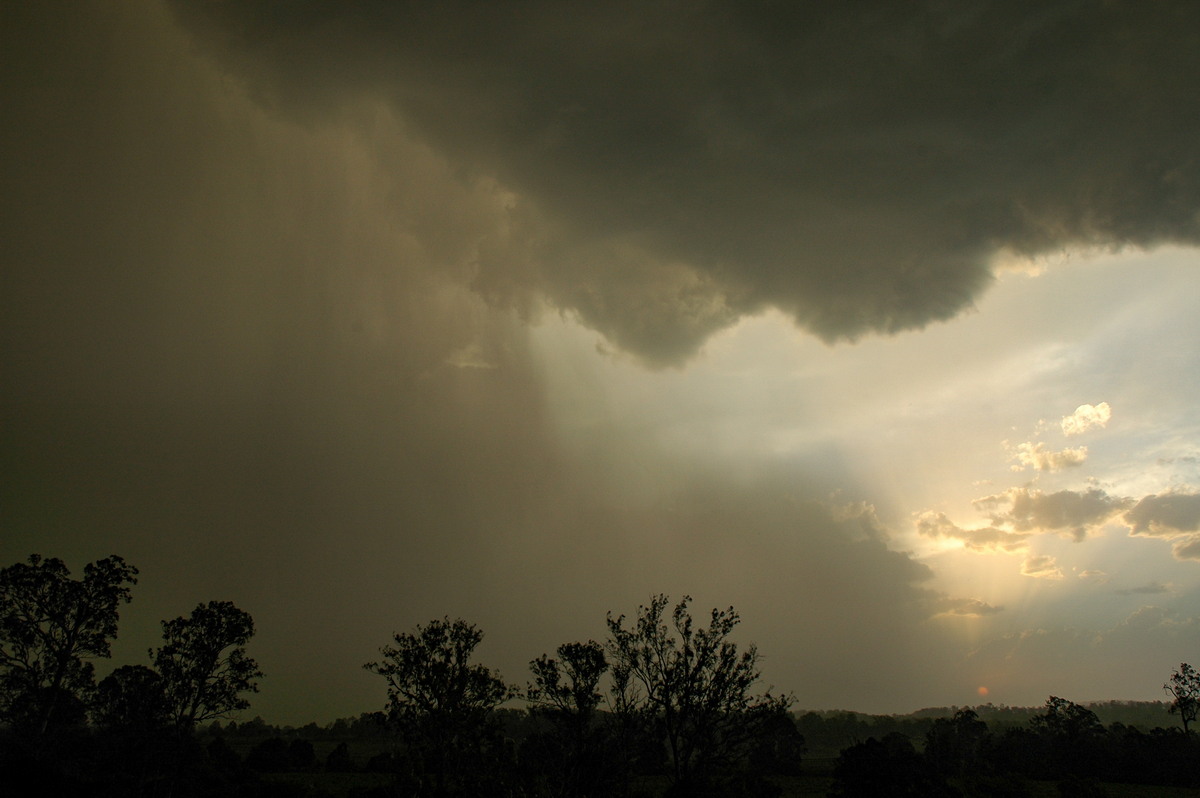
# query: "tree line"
{"points": [[666, 705]]}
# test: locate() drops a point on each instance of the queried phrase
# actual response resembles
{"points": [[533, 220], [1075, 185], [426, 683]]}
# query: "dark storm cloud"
{"points": [[241, 349], [676, 166]]}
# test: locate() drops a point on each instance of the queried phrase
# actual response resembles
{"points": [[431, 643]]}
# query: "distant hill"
{"points": [[826, 732], [1142, 714]]}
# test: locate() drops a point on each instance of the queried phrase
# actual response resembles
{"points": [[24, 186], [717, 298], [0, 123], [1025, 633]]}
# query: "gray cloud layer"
{"points": [[675, 167]]}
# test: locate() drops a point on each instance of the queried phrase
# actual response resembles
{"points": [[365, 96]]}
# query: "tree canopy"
{"points": [[1184, 689], [50, 627], [203, 663], [691, 682], [440, 701]]}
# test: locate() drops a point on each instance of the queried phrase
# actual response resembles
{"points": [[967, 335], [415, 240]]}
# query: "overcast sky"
{"points": [[877, 322]]}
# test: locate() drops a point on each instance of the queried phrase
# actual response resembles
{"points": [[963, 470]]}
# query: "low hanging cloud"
{"points": [[981, 539], [1086, 417], [672, 169], [1066, 512], [1035, 456], [1041, 566]]}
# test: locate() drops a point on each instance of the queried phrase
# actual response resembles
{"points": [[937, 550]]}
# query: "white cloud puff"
{"points": [[1035, 456], [1086, 417]]}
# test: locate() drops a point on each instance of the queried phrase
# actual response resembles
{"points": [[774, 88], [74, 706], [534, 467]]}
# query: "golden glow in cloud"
{"points": [[1041, 566]]}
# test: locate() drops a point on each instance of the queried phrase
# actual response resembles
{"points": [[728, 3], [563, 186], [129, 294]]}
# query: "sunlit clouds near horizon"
{"points": [[879, 325]]}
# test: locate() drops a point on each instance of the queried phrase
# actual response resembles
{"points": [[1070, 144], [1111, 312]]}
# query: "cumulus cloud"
{"points": [[1175, 516], [1086, 417], [1187, 549], [1035, 455], [679, 170], [1165, 515], [1041, 566], [983, 539], [1070, 512]]}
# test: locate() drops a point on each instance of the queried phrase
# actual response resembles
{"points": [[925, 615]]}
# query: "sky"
{"points": [[875, 321]]}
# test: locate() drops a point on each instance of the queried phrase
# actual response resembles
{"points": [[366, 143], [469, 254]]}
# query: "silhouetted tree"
{"points": [[441, 702], [566, 688], [692, 685], [1068, 738], [131, 697], [50, 625], [136, 757], [1184, 689], [203, 663], [1066, 719], [952, 745], [778, 747], [565, 692]]}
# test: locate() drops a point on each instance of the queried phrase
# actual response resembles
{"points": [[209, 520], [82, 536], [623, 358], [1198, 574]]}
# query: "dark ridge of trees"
{"points": [[890, 766], [1064, 743], [665, 706]]}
